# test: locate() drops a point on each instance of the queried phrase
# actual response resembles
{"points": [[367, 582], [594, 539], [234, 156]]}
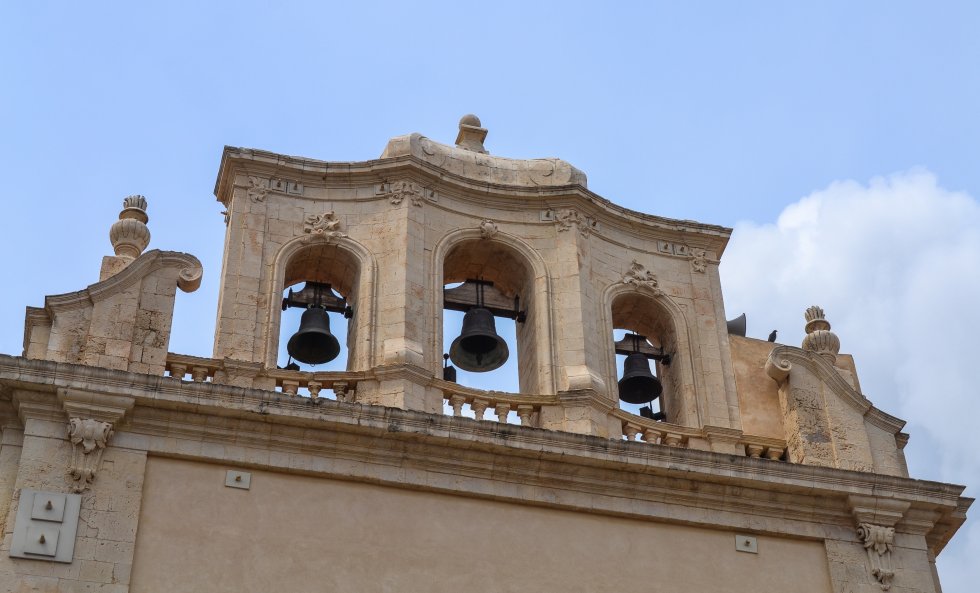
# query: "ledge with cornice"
{"points": [[315, 173], [271, 430]]}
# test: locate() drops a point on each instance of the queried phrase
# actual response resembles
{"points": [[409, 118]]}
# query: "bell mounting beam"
{"points": [[317, 294], [482, 293], [632, 343]]}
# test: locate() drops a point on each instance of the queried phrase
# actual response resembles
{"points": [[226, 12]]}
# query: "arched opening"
{"points": [[330, 277], [504, 277], [642, 325]]}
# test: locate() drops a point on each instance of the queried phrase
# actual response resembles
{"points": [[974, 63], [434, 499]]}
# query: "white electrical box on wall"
{"points": [[46, 525]]}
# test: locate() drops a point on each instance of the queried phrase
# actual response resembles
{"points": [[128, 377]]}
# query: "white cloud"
{"points": [[896, 266]]}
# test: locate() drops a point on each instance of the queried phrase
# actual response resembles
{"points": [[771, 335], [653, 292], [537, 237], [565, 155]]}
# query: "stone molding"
{"points": [[505, 191], [383, 437]]}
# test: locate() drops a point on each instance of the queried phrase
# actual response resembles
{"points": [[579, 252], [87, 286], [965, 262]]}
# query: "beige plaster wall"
{"points": [[758, 394], [297, 533]]}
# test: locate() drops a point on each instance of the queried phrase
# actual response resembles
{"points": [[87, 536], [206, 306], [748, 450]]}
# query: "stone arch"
{"points": [[345, 264], [664, 322], [455, 256]]}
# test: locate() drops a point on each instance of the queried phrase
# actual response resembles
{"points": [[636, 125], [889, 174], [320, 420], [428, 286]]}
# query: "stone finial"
{"points": [[819, 338], [471, 135], [129, 235]]}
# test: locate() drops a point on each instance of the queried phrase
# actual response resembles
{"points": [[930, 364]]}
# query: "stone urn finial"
{"points": [[129, 235], [819, 338], [471, 135]]}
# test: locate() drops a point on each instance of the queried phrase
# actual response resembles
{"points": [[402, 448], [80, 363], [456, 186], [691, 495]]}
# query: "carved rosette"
{"points": [[324, 226], [878, 541], [819, 339], [129, 235], [488, 229], [642, 278], [88, 439], [399, 191], [258, 188], [699, 261], [567, 218]]}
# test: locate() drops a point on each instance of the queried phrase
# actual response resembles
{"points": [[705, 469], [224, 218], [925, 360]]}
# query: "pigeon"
{"points": [[772, 336]]}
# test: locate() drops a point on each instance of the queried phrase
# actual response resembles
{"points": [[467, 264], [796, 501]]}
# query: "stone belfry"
{"points": [[126, 467], [389, 234]]}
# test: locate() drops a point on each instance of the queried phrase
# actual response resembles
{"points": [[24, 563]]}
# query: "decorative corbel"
{"points": [[91, 418], [876, 519]]}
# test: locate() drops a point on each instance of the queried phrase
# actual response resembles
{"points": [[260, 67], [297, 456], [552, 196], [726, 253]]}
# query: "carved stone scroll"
{"points": [[398, 191], [488, 229], [699, 261], [566, 218], [91, 417], [88, 439], [642, 278], [878, 541], [322, 226], [258, 188]]}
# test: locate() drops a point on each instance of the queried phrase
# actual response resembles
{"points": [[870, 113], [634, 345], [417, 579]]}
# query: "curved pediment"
{"points": [[485, 168], [780, 364]]}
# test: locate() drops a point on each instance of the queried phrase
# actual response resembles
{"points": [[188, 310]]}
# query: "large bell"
{"points": [[478, 348], [313, 343], [638, 385]]}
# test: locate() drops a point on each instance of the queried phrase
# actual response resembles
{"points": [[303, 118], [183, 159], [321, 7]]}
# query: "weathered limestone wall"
{"points": [[296, 533], [758, 394]]}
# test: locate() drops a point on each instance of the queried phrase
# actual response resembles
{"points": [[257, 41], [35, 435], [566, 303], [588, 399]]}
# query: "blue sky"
{"points": [[840, 139]]}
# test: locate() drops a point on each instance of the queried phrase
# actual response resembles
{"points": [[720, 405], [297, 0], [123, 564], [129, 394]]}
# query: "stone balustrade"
{"points": [[343, 383], [500, 403], [640, 429], [200, 369], [763, 447], [459, 399]]}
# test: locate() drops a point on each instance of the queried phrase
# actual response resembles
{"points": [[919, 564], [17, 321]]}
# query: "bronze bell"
{"points": [[478, 348], [313, 343], [638, 385]]}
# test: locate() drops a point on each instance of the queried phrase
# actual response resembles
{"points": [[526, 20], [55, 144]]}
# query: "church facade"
{"points": [[126, 467]]}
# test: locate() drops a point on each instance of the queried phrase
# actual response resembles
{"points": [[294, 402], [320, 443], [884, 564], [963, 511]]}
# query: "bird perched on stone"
{"points": [[772, 336]]}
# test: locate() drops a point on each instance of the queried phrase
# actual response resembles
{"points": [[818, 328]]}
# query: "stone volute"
{"points": [[819, 338], [129, 235]]}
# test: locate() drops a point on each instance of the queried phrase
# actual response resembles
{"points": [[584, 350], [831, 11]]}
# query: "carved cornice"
{"points": [[877, 510], [98, 406], [316, 173], [451, 446], [780, 364]]}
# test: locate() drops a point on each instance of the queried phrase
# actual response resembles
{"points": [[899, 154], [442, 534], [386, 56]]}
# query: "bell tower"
{"points": [[527, 240]]}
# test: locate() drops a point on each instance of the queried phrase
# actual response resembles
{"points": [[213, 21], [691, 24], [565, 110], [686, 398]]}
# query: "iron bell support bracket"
{"points": [[633, 343], [316, 294], [482, 293]]}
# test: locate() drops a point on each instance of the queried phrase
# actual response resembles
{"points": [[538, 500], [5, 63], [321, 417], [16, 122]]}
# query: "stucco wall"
{"points": [[296, 533]]}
